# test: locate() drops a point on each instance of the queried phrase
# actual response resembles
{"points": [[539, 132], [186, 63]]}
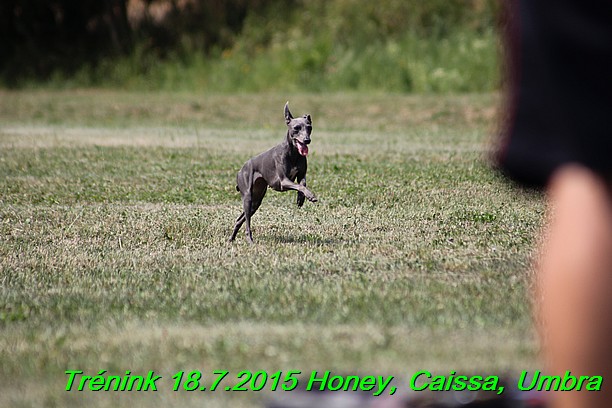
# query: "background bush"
{"points": [[246, 45]]}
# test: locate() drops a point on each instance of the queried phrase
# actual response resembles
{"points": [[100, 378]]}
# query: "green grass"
{"points": [[115, 209]]}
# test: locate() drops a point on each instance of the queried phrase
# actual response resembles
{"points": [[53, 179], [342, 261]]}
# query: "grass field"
{"points": [[115, 209]]}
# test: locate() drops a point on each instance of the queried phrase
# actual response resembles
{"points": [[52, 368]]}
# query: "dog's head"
{"points": [[299, 130]]}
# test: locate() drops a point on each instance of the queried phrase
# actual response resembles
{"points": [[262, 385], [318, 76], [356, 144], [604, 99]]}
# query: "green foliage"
{"points": [[416, 46], [398, 46]]}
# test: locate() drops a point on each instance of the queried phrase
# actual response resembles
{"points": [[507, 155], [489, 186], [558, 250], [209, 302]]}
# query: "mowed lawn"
{"points": [[115, 210]]}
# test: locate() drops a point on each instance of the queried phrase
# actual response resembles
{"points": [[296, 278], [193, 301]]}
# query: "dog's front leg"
{"points": [[287, 184], [300, 195]]}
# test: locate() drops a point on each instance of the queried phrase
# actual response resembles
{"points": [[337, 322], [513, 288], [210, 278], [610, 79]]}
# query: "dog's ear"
{"points": [[307, 117], [288, 115]]}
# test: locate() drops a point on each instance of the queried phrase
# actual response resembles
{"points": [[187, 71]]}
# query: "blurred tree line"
{"points": [[41, 38]]}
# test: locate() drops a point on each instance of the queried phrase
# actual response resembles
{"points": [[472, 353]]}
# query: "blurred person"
{"points": [[557, 137]]}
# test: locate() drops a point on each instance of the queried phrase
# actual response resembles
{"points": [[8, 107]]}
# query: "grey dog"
{"points": [[278, 168]]}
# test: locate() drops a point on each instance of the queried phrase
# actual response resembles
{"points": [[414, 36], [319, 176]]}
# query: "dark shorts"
{"points": [[559, 73]]}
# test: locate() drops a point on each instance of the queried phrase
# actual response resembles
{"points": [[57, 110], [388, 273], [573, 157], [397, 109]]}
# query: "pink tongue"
{"points": [[303, 149]]}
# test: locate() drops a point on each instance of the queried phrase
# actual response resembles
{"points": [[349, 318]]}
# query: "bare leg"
{"points": [[574, 292]]}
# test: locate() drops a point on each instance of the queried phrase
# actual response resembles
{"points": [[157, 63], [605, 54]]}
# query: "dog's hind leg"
{"points": [[257, 199], [244, 184], [242, 218], [258, 192], [247, 202], [239, 221]]}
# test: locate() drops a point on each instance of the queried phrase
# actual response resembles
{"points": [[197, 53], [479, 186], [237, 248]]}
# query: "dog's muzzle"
{"points": [[302, 148]]}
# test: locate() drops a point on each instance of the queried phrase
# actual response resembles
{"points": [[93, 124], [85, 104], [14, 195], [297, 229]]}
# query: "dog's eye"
{"points": [[309, 128], [297, 128]]}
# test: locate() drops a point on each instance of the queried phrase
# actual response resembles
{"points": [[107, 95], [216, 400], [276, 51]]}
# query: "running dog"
{"points": [[279, 168]]}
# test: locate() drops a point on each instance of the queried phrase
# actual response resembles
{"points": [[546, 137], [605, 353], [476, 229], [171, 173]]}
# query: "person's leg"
{"points": [[574, 288]]}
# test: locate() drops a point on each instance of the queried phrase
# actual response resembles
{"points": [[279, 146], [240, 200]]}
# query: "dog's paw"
{"points": [[313, 199]]}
